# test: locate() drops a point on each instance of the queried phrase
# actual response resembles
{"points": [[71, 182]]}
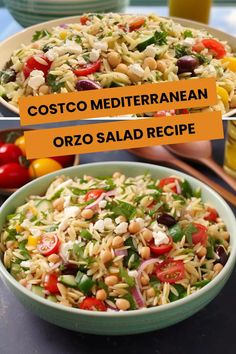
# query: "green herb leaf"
{"points": [[161, 37], [181, 50], [202, 58], [131, 300], [23, 250], [188, 34], [78, 39], [201, 284], [119, 208], [181, 290], [189, 231], [86, 234], [54, 83], [186, 188], [77, 191], [57, 194], [7, 75], [40, 34], [129, 280], [176, 233], [134, 262], [11, 234], [155, 209]]}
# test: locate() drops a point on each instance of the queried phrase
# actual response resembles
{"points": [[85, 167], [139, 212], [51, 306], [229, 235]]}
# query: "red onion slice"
{"points": [[63, 25], [55, 266], [178, 188], [121, 252], [144, 265], [96, 202], [138, 297]]}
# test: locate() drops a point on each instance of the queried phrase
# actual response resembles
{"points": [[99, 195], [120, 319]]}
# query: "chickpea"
{"points": [[116, 175], [217, 268], [122, 68], [150, 292], [23, 282], [133, 77], [111, 280], [106, 256], [101, 295], [233, 102], [149, 62], [114, 59], [145, 252], [146, 201], [44, 89], [161, 66], [147, 235], [87, 213], [144, 280], [58, 204], [117, 242], [122, 304], [54, 258], [202, 252], [134, 227]]}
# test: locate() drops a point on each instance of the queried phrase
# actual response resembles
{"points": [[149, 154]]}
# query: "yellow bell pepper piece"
{"points": [[223, 95], [231, 63], [19, 228], [63, 35], [33, 240]]}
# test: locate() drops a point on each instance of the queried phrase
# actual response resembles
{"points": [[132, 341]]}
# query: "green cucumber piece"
{"points": [[38, 290], [143, 45], [44, 206], [52, 298], [116, 84], [68, 280]]}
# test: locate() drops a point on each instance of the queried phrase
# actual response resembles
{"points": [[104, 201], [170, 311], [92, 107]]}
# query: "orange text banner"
{"points": [[118, 101], [123, 135]]}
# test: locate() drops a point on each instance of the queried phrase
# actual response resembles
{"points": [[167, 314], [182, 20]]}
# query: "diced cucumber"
{"points": [[116, 84], [68, 280], [38, 290], [143, 45], [52, 298], [15, 269], [44, 206]]}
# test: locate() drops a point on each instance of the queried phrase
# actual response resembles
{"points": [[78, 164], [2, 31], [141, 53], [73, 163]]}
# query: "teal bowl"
{"points": [[120, 323], [31, 12]]}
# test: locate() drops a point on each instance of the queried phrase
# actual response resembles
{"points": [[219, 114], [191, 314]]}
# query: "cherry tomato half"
{"points": [[41, 167], [50, 283], [92, 304], [13, 175], [161, 249], [20, 142], [33, 64], [93, 194], [212, 215], [88, 69], [9, 153], [200, 236], [65, 161], [168, 180], [83, 20], [49, 244], [136, 24], [215, 46], [170, 271]]}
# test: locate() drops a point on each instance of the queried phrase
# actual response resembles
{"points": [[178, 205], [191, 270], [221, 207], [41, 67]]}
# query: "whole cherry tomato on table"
{"points": [[92, 304], [65, 161], [9, 153], [41, 167], [37, 62], [20, 142], [13, 175]]}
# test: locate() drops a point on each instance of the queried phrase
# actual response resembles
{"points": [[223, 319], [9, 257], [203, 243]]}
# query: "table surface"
{"points": [[210, 331]]}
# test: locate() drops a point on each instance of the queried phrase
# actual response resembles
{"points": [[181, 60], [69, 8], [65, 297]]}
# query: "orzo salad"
{"points": [[111, 50], [115, 243]]}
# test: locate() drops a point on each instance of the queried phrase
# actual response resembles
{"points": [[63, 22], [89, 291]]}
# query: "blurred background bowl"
{"points": [[31, 12]]}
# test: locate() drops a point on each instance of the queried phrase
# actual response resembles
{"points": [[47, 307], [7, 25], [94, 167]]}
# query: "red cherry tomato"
{"points": [[200, 236], [168, 180], [162, 249], [33, 64], [1, 143], [9, 153], [49, 244], [212, 215], [93, 194], [50, 283], [83, 20], [183, 111], [170, 271], [65, 161], [92, 304], [88, 69], [136, 24], [215, 46], [13, 175], [198, 47]]}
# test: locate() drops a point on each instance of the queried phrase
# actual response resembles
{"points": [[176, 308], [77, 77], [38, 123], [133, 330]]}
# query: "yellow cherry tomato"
{"points": [[223, 95], [20, 142], [231, 63], [41, 167], [33, 240]]}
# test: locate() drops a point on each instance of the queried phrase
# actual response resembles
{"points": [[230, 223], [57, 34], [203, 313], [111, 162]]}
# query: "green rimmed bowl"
{"points": [[137, 321], [31, 12]]}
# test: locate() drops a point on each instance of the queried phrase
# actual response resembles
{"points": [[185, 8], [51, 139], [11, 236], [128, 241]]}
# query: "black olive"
{"points": [[84, 85], [70, 269], [187, 64], [166, 219], [221, 253]]}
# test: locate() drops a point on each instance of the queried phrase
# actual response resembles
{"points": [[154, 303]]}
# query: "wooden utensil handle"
{"points": [[221, 190], [220, 172]]}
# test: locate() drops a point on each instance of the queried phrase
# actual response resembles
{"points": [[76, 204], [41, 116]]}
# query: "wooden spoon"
{"points": [[160, 154], [201, 151]]}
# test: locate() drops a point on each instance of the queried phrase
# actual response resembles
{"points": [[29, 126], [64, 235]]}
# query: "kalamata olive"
{"points": [[70, 269], [84, 85], [166, 219], [187, 63], [223, 257]]}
